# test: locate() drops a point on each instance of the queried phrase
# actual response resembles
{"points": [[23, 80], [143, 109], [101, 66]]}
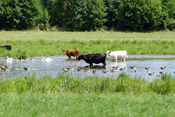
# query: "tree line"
{"points": [[84, 15]]}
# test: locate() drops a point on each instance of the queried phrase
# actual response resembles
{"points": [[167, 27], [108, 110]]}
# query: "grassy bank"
{"points": [[28, 43], [67, 96], [64, 83]]}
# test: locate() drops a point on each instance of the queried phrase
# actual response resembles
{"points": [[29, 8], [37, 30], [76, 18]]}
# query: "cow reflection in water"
{"points": [[96, 67]]}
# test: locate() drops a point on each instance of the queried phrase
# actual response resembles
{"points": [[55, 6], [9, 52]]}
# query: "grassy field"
{"points": [[83, 105], [39, 43], [67, 96]]}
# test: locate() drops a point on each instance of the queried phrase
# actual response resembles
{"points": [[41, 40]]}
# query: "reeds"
{"points": [[64, 83]]}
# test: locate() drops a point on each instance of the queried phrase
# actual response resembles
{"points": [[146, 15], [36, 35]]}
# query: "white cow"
{"points": [[120, 55]]}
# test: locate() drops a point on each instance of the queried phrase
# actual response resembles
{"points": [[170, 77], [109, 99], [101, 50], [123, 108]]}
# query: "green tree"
{"points": [[62, 13], [89, 14], [112, 7], [139, 15], [20, 14]]}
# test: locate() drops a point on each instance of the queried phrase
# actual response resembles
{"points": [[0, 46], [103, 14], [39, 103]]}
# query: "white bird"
{"points": [[9, 59], [46, 59]]}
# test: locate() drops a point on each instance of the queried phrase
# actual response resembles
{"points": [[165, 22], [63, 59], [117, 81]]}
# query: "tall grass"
{"points": [[64, 83]]}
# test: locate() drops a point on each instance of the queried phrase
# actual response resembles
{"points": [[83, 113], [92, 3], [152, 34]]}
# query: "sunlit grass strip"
{"points": [[98, 35], [50, 48], [65, 83]]}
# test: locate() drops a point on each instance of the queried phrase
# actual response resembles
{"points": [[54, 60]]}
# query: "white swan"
{"points": [[9, 59], [46, 59]]}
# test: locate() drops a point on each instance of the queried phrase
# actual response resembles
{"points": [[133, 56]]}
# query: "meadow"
{"points": [[74, 96], [41, 43]]}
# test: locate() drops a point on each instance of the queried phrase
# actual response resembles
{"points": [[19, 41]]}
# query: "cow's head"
{"points": [[77, 53], [79, 57], [108, 52]]}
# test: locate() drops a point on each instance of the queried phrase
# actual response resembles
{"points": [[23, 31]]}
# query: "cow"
{"points": [[70, 53], [8, 47], [93, 58], [117, 55]]}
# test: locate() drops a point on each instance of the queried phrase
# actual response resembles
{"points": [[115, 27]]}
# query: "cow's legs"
{"points": [[124, 58]]}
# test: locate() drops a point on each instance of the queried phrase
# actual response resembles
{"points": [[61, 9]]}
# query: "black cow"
{"points": [[93, 58], [8, 47]]}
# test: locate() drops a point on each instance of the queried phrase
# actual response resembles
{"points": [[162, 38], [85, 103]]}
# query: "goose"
{"points": [[113, 70], [116, 68], [105, 72], [87, 69], [16, 68], [70, 68], [8, 67], [26, 68], [65, 69], [133, 67], [148, 71], [161, 72], [79, 69], [46, 59], [5, 69], [163, 68], [147, 68], [94, 71], [151, 74], [122, 69]]}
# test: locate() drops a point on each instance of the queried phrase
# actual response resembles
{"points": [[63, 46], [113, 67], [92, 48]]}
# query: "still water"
{"points": [[54, 67]]}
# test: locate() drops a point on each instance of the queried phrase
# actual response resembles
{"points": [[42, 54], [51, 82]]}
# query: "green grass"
{"points": [[86, 105], [73, 96], [64, 83], [64, 96], [39, 43]]}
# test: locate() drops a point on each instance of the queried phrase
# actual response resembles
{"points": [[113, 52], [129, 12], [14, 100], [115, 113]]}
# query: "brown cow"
{"points": [[70, 53]]}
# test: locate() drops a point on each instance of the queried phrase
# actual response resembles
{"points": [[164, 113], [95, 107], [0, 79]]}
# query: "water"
{"points": [[54, 67]]}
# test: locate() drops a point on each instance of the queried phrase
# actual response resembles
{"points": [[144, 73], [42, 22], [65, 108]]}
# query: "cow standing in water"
{"points": [[74, 53], [118, 55], [94, 58]]}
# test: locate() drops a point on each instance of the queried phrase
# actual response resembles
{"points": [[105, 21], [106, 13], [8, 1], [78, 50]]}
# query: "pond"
{"points": [[54, 67]]}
